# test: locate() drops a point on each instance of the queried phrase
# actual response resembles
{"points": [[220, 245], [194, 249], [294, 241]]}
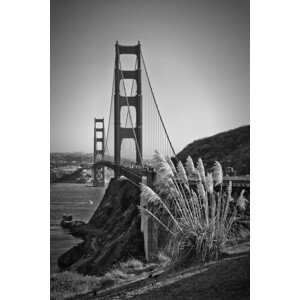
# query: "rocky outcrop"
{"points": [[68, 258], [112, 234], [67, 222]]}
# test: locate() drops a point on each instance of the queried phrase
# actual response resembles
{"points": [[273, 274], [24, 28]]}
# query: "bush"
{"points": [[163, 258], [203, 221], [67, 284], [131, 265]]}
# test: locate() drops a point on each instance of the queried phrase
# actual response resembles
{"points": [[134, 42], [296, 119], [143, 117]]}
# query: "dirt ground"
{"points": [[228, 278]]}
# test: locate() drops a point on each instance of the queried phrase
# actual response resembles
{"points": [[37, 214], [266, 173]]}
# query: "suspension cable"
{"points": [[110, 109], [157, 106]]}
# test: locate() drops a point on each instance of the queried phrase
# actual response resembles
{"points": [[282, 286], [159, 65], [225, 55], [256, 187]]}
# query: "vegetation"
{"points": [[67, 284], [203, 221], [230, 148]]}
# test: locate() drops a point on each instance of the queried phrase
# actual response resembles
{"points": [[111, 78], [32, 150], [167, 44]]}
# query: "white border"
{"points": [[274, 149], [25, 146]]}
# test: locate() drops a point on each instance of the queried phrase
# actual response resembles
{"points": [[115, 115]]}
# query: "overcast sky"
{"points": [[196, 52]]}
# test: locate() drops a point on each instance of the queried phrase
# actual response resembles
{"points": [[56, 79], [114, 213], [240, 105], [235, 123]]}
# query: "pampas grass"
{"points": [[181, 173], [200, 169], [242, 201], [217, 173], [209, 183], [190, 168], [203, 221], [169, 161]]}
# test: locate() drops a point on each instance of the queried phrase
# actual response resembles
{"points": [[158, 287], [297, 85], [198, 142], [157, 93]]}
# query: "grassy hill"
{"points": [[231, 148]]}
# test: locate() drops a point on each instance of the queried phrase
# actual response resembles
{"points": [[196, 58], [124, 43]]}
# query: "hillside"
{"points": [[231, 148]]}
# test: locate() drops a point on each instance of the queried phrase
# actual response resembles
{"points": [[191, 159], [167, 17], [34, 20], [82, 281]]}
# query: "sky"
{"points": [[197, 54]]}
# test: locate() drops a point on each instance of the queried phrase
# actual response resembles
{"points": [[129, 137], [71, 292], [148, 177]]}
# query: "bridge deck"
{"points": [[136, 172]]}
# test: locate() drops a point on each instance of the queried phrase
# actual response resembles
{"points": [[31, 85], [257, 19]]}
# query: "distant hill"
{"points": [[231, 148]]}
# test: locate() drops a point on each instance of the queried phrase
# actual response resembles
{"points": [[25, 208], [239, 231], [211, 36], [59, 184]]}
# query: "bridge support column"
{"points": [[135, 101], [148, 226], [99, 142]]}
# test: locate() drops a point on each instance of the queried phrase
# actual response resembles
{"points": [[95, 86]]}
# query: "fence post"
{"points": [[148, 223]]}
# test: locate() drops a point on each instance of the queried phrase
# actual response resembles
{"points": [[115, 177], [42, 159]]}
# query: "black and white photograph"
{"points": [[150, 149], [142, 109]]}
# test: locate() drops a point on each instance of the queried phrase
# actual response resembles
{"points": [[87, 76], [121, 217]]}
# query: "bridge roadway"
{"points": [[136, 172], [133, 173]]}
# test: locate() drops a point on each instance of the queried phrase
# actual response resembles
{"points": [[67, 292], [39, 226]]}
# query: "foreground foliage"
{"points": [[201, 220], [67, 284]]}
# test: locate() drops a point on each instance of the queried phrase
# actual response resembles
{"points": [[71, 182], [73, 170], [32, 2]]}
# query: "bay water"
{"points": [[78, 200]]}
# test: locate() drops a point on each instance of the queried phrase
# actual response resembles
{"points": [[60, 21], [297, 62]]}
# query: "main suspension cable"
{"points": [[110, 109], [157, 106]]}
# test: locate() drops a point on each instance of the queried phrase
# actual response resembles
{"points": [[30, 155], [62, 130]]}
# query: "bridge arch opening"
{"points": [[99, 125], [128, 87], [99, 134], [128, 152], [128, 62], [125, 120]]}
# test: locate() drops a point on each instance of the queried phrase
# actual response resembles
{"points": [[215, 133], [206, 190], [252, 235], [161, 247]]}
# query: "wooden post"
{"points": [[148, 223]]}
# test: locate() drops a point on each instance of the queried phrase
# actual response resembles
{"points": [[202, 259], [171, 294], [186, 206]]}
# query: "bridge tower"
{"points": [[99, 141], [134, 101]]}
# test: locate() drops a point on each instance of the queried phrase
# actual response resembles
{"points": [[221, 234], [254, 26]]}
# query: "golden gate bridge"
{"points": [[135, 127]]}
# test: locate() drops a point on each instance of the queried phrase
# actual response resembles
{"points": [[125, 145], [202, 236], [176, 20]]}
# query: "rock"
{"points": [[67, 222], [112, 234], [72, 224], [74, 254], [76, 224], [67, 218]]}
